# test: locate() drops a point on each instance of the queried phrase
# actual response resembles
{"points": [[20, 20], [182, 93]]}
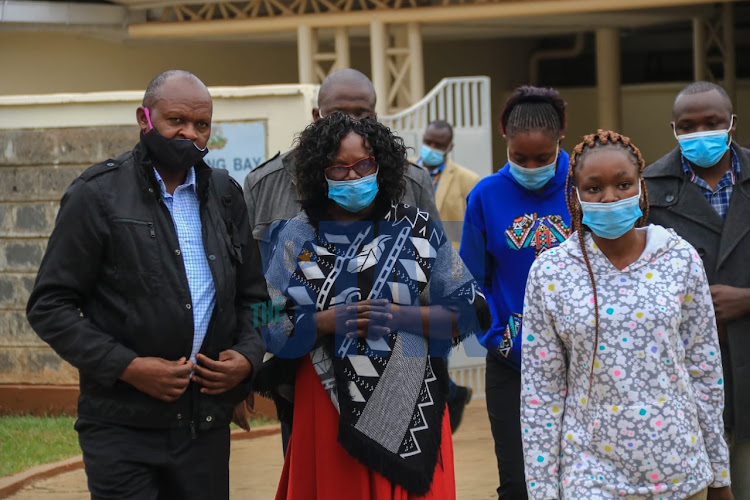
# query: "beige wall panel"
{"points": [[64, 62]]}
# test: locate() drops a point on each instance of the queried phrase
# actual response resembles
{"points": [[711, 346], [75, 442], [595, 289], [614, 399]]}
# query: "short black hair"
{"points": [[702, 86], [533, 108], [317, 147], [441, 125], [151, 96]]}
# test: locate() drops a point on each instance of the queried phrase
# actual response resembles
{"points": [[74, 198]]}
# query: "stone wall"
{"points": [[36, 166]]}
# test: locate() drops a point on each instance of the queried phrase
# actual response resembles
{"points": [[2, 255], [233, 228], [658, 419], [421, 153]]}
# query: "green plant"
{"points": [[26, 441]]}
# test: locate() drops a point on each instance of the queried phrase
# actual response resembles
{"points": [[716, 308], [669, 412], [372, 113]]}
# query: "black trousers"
{"points": [[154, 464], [503, 389]]}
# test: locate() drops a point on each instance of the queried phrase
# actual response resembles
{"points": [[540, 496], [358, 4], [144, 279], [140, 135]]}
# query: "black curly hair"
{"points": [[317, 147]]}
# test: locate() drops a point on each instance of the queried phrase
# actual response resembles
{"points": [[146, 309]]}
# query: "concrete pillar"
{"points": [[608, 79], [305, 52], [341, 44], [378, 45], [730, 65], [416, 70], [699, 49]]}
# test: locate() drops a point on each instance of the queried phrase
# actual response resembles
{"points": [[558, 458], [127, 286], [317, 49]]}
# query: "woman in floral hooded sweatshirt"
{"points": [[622, 390]]}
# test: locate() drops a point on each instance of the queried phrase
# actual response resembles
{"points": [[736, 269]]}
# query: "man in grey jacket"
{"points": [[702, 190]]}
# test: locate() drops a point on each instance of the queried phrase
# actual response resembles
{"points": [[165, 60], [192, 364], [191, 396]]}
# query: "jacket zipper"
{"points": [[150, 225]]}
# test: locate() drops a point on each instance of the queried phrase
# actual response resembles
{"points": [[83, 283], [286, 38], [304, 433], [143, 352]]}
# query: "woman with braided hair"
{"points": [[622, 390], [511, 218]]}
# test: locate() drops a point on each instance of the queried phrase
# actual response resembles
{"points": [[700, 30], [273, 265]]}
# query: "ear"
{"points": [[450, 148], [316, 114], [561, 139], [734, 124], [140, 116]]}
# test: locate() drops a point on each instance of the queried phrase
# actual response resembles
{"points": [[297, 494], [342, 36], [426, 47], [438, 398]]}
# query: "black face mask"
{"points": [[175, 155]]}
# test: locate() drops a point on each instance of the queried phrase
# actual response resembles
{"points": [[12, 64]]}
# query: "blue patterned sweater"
{"points": [[506, 227]]}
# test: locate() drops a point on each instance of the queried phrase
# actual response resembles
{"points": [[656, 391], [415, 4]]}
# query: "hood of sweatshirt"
{"points": [[659, 240]]}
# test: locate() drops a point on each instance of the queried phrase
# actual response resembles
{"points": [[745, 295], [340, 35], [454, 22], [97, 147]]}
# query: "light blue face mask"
{"points": [[611, 220], [533, 179], [355, 195], [704, 149], [431, 157]]}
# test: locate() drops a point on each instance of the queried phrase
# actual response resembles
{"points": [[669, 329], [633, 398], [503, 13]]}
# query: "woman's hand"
{"points": [[380, 317], [374, 318], [369, 318]]}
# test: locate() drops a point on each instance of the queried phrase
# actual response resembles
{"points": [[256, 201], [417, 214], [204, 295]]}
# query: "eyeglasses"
{"points": [[364, 166]]}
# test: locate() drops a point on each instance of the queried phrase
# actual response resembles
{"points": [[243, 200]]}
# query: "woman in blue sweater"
{"points": [[511, 218]]}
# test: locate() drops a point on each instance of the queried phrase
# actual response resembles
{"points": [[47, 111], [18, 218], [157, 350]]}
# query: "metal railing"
{"points": [[463, 102]]}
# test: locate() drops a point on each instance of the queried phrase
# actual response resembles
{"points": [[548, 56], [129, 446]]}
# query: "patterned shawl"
{"points": [[390, 393]]}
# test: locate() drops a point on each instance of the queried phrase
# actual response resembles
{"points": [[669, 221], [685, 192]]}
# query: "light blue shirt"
{"points": [[185, 209]]}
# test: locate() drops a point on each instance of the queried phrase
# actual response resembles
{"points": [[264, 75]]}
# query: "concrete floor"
{"points": [[255, 466]]}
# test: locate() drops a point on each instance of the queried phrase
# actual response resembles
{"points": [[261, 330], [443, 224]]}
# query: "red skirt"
{"points": [[316, 466]]}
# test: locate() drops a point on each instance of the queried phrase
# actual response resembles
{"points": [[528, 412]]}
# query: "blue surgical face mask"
{"points": [[431, 157], [355, 195], [704, 149], [611, 220], [533, 179]]}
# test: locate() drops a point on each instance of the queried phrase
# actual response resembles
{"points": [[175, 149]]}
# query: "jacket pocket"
{"points": [[652, 444], [136, 251]]}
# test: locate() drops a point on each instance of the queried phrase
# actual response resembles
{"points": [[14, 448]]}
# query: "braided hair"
{"points": [[596, 142], [533, 108]]}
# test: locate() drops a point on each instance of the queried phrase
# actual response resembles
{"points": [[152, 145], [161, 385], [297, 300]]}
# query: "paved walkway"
{"points": [[255, 466]]}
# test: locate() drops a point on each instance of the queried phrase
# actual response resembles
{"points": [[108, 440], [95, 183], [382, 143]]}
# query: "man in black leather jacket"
{"points": [[149, 287]]}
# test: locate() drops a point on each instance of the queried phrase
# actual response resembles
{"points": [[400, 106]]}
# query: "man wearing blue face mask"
{"points": [[702, 190], [452, 184]]}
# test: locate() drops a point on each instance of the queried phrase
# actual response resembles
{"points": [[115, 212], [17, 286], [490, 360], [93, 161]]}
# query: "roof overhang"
{"points": [[560, 15], [278, 20]]}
